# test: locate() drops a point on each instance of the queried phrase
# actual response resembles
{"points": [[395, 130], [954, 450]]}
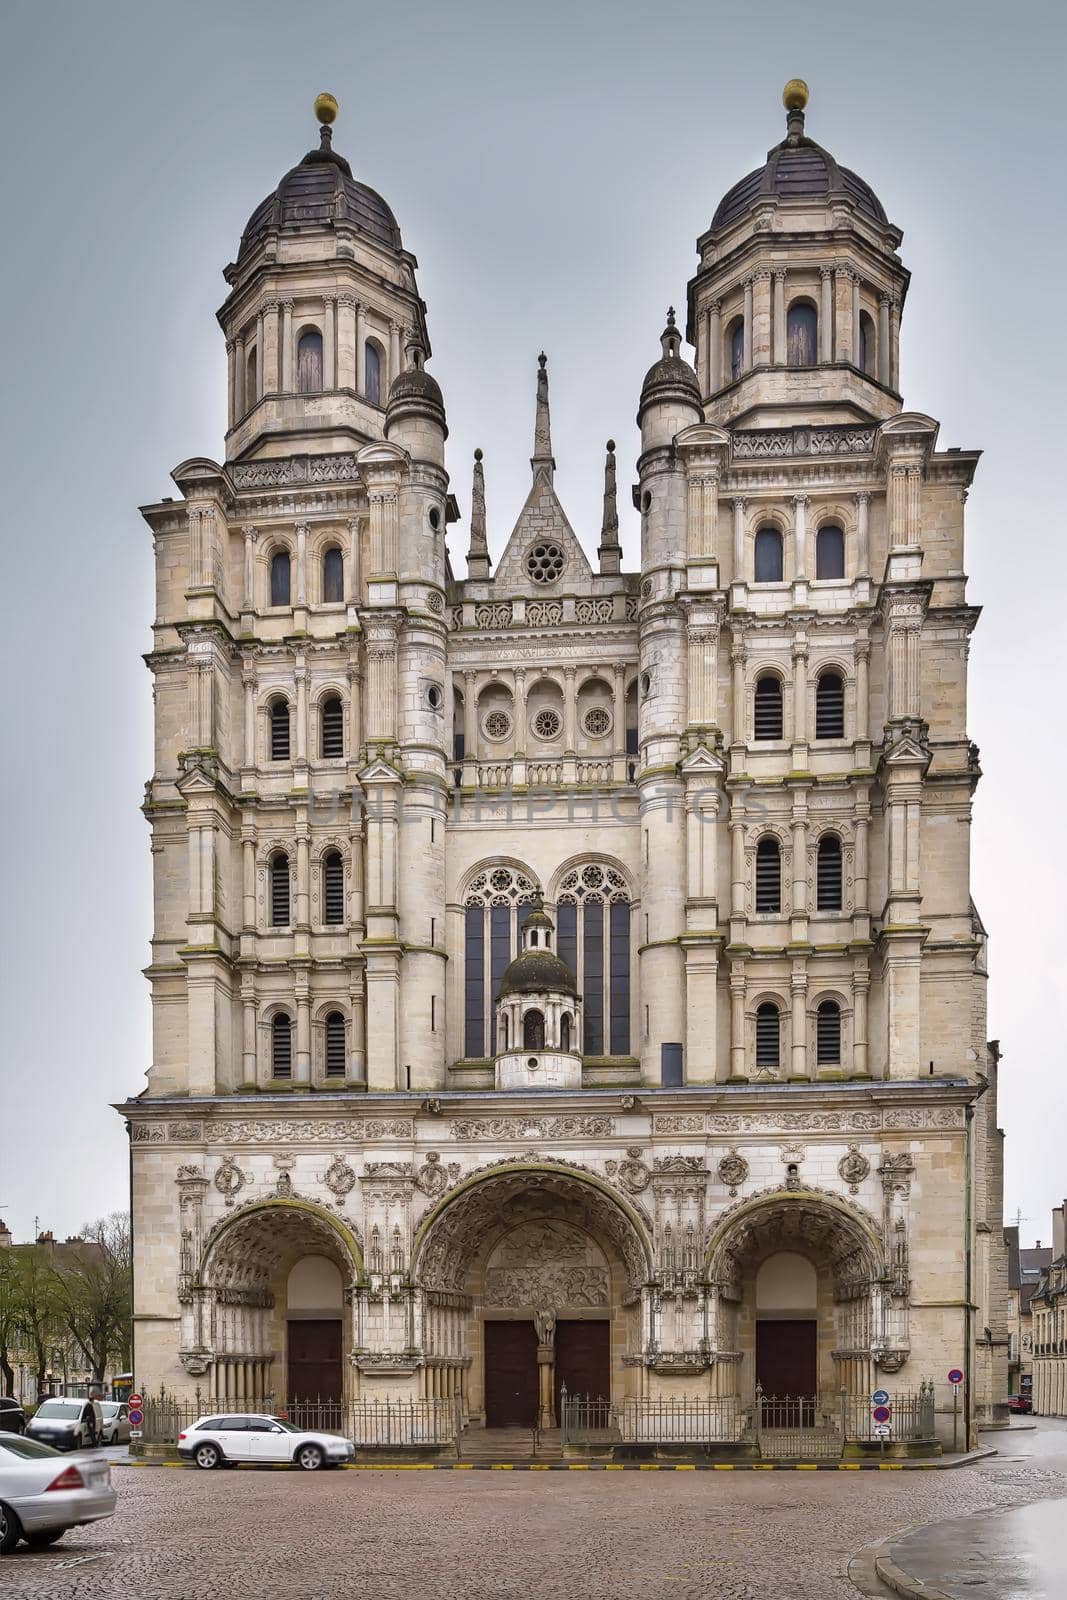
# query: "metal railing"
{"points": [[911, 1416], [369, 1423], [593, 1420]]}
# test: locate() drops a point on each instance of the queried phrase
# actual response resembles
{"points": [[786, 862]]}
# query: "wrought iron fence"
{"points": [[911, 1416], [587, 1420], [797, 1427], [401, 1422], [166, 1415], [369, 1423]]}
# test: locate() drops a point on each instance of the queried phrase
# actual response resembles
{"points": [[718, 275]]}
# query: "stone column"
{"points": [[346, 342], [779, 317], [261, 345], [301, 563], [737, 867], [737, 661], [894, 342], [798, 993], [470, 728], [248, 875], [231, 384], [800, 538], [240, 362], [826, 315], [301, 713], [361, 341], [714, 346], [249, 681], [546, 1372], [860, 985], [739, 538], [884, 363], [248, 600], [863, 660], [855, 319], [618, 743], [761, 318], [302, 1064], [862, 869], [269, 366], [288, 384], [702, 350], [800, 690], [737, 1021], [746, 359], [249, 1066], [355, 728], [843, 277], [520, 710], [863, 537], [570, 708], [329, 343], [303, 881]]}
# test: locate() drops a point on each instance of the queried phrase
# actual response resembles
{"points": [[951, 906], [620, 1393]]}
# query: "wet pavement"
{"points": [[1020, 1554]]}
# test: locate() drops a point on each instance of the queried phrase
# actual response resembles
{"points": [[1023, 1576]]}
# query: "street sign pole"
{"points": [[955, 1377]]}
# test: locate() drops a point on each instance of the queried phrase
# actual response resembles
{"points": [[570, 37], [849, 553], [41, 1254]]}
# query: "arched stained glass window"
{"points": [[801, 334], [280, 568], [498, 902], [593, 938]]}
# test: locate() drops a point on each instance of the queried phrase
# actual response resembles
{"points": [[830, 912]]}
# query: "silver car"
{"points": [[42, 1495], [116, 1424], [223, 1440]]}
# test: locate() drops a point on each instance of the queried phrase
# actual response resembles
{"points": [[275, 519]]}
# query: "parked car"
{"points": [[116, 1425], [12, 1416], [222, 1440], [41, 1495], [66, 1423], [1020, 1405]]}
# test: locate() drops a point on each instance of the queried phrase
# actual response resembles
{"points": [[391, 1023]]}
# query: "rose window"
{"points": [[596, 722], [497, 725], [547, 724], [545, 563]]}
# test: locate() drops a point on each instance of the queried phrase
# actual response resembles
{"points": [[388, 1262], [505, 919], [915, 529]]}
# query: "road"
{"points": [[180, 1534]]}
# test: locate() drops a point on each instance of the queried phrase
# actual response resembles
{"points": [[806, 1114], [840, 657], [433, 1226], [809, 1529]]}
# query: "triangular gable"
{"points": [[542, 520]]}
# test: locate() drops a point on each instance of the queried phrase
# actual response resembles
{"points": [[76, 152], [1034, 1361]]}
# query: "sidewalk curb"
{"points": [[901, 1582]]}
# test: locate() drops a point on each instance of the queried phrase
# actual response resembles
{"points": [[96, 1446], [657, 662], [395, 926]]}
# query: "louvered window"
{"points": [[333, 888], [333, 727], [768, 876], [828, 873], [768, 707], [768, 1035], [336, 1046], [768, 555], [828, 1034], [333, 575], [279, 891], [279, 578], [830, 706], [830, 551], [281, 1046], [279, 730]]}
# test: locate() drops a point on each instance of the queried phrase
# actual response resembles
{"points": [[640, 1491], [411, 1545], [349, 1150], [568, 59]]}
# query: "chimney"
{"points": [[5, 1236], [1057, 1233], [45, 1238]]}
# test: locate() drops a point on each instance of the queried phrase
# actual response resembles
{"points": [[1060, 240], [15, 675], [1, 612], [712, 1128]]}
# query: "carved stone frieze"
{"points": [[495, 1128]]}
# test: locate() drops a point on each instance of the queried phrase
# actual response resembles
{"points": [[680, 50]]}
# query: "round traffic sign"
{"points": [[880, 1397], [136, 1418], [882, 1430], [881, 1413], [135, 1401], [955, 1376]]}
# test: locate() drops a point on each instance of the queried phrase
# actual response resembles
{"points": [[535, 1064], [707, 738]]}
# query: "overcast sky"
{"points": [[551, 166]]}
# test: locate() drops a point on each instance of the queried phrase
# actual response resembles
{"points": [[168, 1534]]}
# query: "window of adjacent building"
{"points": [[336, 1046], [279, 890], [768, 706], [769, 564], [867, 348], [735, 344], [333, 575], [768, 1035], [830, 551], [828, 875], [332, 717], [828, 1034], [768, 875], [333, 888], [281, 1046], [309, 362], [280, 568], [593, 938], [279, 730], [533, 1030], [801, 334], [830, 706], [372, 373]]}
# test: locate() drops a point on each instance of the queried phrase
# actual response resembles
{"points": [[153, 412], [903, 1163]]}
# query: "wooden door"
{"points": [[787, 1366], [511, 1398], [583, 1359], [315, 1360]]}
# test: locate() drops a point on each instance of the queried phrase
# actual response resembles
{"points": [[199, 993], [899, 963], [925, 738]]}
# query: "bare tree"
{"points": [[28, 1291], [92, 1288]]}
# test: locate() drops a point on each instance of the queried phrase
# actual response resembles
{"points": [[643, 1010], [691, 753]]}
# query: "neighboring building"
{"points": [[67, 1371], [1024, 1270], [730, 1117], [1048, 1304]]}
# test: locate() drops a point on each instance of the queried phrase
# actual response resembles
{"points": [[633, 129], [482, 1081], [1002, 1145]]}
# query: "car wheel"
{"points": [[207, 1456], [10, 1529], [40, 1541], [310, 1457]]}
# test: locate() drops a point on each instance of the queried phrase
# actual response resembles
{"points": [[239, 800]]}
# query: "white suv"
{"points": [[222, 1440]]}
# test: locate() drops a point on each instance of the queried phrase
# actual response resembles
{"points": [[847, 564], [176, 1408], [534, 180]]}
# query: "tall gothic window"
{"points": [[280, 568], [769, 565], [372, 373], [736, 346], [309, 362], [281, 1046], [498, 902], [801, 334], [828, 1034], [332, 727], [593, 938], [251, 380], [867, 349], [333, 575], [828, 874]]}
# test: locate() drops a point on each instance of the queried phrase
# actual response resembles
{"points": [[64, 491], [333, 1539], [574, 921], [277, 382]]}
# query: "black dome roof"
{"points": [[538, 972], [797, 169], [671, 372], [318, 192]]}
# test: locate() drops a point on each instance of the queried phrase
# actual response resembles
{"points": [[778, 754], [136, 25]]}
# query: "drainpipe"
{"points": [[968, 1265], [133, 1268]]}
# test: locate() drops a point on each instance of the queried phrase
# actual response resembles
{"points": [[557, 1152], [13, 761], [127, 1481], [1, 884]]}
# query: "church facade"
{"points": [[565, 976]]}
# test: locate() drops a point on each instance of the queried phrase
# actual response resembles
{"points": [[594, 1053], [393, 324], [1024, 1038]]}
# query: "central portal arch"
{"points": [[543, 1269]]}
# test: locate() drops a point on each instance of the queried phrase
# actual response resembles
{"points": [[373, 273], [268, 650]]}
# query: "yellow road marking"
{"points": [[723, 1466]]}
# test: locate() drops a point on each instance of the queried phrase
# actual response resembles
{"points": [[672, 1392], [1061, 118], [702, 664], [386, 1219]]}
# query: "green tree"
{"points": [[28, 1291], [92, 1290]]}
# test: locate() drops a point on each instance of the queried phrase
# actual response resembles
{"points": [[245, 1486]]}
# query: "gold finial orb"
{"points": [[326, 108], [795, 95]]}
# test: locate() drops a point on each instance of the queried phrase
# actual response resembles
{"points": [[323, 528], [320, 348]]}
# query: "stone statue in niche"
{"points": [[545, 1323]]}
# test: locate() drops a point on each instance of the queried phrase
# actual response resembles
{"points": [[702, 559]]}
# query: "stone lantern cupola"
{"points": [[795, 306], [538, 1015], [322, 302]]}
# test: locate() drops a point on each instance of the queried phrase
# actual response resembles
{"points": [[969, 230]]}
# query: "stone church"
{"points": [[566, 977]]}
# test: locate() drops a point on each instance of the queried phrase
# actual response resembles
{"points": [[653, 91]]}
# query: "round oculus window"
{"points": [[547, 724], [596, 722], [497, 725], [545, 563]]}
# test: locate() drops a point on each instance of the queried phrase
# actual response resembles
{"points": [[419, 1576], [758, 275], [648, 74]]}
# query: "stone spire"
{"points": [[609, 552], [478, 554], [542, 460]]}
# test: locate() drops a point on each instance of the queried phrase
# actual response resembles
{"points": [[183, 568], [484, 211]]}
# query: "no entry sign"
{"points": [[135, 1402]]}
